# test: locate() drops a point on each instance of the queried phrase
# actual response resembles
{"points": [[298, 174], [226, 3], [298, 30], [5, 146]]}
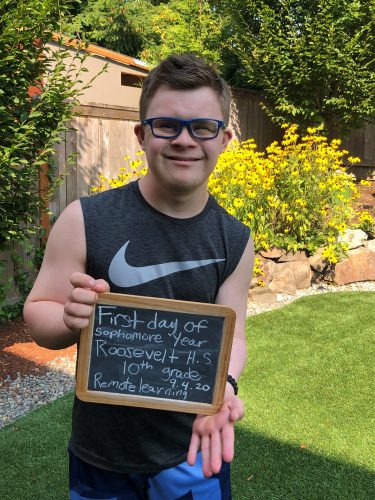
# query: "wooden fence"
{"points": [[104, 135], [101, 138]]}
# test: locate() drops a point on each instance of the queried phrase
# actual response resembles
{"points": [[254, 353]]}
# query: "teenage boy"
{"points": [[120, 240]]}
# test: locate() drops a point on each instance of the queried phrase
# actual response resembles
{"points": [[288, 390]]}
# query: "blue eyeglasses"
{"points": [[199, 128]]}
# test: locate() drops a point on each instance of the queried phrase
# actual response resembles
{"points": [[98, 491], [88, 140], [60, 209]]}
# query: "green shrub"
{"points": [[30, 126]]}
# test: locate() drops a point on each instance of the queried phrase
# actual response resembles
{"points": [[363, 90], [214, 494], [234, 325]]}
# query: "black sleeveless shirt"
{"points": [[127, 240]]}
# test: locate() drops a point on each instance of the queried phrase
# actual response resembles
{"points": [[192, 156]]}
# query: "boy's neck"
{"points": [[180, 205]]}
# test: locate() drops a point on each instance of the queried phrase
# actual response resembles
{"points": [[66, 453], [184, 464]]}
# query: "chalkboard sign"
{"points": [[155, 353]]}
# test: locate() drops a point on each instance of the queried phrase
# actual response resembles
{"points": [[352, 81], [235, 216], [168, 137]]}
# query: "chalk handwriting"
{"points": [[162, 354]]}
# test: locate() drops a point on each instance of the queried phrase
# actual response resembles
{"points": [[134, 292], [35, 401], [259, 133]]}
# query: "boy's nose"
{"points": [[184, 137]]}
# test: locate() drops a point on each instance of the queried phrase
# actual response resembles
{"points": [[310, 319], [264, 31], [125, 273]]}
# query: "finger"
{"points": [[101, 286], [83, 296], [227, 437], [78, 310], [237, 409], [75, 324], [206, 456], [193, 449], [80, 280], [216, 452]]}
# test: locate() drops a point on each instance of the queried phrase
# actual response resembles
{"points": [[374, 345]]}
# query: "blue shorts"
{"points": [[183, 482]]}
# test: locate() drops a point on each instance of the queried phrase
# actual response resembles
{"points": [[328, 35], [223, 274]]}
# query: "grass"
{"points": [[309, 390], [33, 454], [309, 428]]}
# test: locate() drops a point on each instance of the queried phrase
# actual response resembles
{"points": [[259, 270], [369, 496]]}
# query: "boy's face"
{"points": [[182, 164]]}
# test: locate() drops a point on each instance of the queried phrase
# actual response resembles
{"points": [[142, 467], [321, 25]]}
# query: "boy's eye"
{"points": [[167, 125], [204, 127]]}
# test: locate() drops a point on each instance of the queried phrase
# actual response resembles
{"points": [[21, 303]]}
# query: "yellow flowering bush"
{"points": [[297, 195], [134, 170]]}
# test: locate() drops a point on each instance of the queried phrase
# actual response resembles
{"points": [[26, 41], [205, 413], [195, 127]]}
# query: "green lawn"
{"points": [[309, 429], [33, 454]]}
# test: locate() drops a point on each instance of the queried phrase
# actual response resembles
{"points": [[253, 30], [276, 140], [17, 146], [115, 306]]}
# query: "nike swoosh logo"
{"points": [[123, 274]]}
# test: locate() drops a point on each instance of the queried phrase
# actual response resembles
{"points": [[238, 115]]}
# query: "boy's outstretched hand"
{"points": [[214, 436]]}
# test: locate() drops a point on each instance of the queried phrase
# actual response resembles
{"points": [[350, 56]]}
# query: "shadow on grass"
{"points": [[268, 469], [34, 464]]}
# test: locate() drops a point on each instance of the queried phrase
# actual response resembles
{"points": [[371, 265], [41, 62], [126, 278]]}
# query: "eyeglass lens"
{"points": [[201, 129]]}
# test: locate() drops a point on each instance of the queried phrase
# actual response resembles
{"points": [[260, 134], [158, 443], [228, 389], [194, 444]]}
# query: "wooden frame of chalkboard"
{"points": [[155, 353]]}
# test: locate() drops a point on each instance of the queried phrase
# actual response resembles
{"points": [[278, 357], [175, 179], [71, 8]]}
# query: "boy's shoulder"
{"points": [[105, 197]]}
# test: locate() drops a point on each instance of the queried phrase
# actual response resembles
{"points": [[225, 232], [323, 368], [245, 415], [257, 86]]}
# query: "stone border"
{"points": [[287, 273], [282, 299]]}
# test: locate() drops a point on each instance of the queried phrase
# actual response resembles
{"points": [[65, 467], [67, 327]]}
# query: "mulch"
{"points": [[20, 355]]}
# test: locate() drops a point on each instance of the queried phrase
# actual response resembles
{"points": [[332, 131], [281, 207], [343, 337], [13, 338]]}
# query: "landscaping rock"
{"points": [[288, 272], [262, 295], [268, 267], [291, 276], [355, 238], [317, 263], [284, 279], [358, 266], [274, 253], [303, 274], [293, 256]]}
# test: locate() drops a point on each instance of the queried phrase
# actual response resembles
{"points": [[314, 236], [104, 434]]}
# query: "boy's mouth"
{"points": [[182, 158]]}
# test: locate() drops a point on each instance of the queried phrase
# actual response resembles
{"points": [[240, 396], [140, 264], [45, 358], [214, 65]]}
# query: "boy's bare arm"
{"points": [[214, 436], [62, 297]]}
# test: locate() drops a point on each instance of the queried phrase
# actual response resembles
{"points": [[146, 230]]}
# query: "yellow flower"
{"points": [[238, 203], [300, 202], [354, 159]]}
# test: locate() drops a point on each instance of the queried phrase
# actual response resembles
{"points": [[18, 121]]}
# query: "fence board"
{"points": [[250, 120], [369, 147]]}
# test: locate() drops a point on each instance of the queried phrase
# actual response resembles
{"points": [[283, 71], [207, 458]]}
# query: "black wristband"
{"points": [[233, 383]]}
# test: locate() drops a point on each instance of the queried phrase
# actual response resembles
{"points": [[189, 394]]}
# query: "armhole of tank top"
{"points": [[88, 238], [246, 233]]}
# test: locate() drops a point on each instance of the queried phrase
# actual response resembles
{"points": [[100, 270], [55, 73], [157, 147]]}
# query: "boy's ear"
{"points": [[227, 136], [140, 133]]}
